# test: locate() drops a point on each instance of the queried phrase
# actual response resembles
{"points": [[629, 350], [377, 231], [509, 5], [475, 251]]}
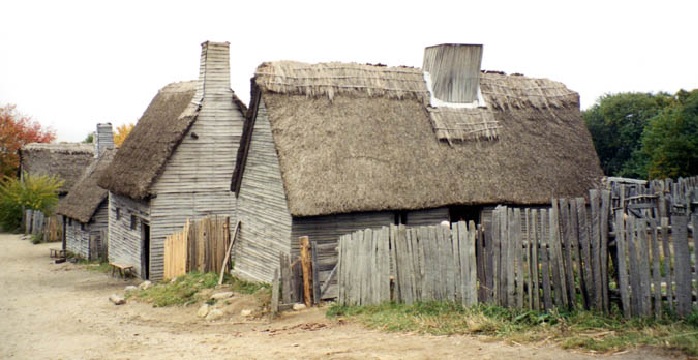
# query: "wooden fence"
{"points": [[50, 227], [200, 246], [626, 247]]}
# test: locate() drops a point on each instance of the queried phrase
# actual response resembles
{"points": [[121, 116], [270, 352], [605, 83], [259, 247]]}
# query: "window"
{"points": [[118, 213], [400, 217], [83, 226], [70, 222], [134, 222]]}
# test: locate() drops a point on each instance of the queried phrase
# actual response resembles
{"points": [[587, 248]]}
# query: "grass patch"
{"points": [[187, 289], [101, 267], [37, 239], [584, 330]]}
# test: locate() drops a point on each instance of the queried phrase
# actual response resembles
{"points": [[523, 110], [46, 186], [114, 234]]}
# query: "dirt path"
{"points": [[62, 311]]}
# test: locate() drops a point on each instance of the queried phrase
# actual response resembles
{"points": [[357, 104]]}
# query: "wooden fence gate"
{"points": [[200, 246]]}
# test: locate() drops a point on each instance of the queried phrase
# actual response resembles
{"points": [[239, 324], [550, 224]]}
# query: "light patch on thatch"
{"points": [[331, 79], [504, 92], [67, 161], [85, 196], [150, 144], [453, 125]]}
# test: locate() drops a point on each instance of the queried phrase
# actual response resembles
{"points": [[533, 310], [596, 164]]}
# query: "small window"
{"points": [[134, 222], [83, 226], [118, 213], [70, 222], [400, 217]]}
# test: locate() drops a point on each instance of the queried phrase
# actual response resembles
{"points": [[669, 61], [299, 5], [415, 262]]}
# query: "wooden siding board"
{"points": [[124, 243], [266, 223]]}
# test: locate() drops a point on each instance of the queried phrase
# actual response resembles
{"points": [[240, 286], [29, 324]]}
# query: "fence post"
{"points": [[305, 266]]}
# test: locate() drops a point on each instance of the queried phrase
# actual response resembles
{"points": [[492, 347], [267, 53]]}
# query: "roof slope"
{"points": [[66, 160], [361, 138], [85, 196], [151, 142]]}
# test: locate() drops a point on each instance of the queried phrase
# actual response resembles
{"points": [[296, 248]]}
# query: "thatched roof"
{"points": [[66, 160], [85, 196], [151, 142], [364, 138]]}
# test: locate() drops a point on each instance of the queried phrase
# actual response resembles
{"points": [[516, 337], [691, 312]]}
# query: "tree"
{"points": [[17, 130], [33, 192], [670, 141], [616, 123], [90, 138], [121, 133]]}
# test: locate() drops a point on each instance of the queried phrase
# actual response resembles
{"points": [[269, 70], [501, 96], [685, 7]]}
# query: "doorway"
{"points": [[145, 246]]}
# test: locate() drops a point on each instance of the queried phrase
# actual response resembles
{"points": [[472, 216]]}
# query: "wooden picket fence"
{"points": [[619, 247], [50, 227], [200, 246]]}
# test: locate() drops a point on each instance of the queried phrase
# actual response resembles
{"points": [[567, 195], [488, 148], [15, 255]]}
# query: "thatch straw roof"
{"points": [[364, 138], [151, 142], [66, 160], [85, 196]]}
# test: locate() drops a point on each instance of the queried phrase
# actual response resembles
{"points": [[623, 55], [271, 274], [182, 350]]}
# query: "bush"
{"points": [[33, 192]]}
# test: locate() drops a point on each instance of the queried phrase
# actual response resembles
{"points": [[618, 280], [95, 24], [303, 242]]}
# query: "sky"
{"points": [[72, 64]]}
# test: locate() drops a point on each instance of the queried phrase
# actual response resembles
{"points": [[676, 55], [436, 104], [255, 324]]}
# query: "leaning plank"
{"points": [[565, 230], [605, 212], [682, 264], [595, 240], [585, 251], [644, 268], [656, 276]]}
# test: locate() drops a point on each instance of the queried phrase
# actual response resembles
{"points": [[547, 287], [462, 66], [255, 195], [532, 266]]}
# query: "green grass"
{"points": [[187, 289], [102, 267], [571, 330]]}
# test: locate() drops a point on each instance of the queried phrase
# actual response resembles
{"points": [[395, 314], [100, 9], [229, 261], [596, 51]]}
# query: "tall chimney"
{"points": [[454, 70], [214, 72], [103, 138]]}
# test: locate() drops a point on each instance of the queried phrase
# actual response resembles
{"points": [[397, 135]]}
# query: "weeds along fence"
{"points": [[628, 245], [200, 246]]}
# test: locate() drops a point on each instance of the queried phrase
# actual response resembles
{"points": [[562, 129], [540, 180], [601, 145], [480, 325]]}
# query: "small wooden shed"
{"points": [[332, 148], [175, 164]]}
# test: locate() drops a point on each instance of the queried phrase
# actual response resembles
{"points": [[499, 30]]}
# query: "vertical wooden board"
{"points": [[656, 276], [366, 271], [307, 271], [576, 248], [445, 256], [405, 266], [529, 261], [682, 264], [694, 218], [632, 241], [517, 258], [510, 260], [585, 251], [285, 276], [504, 256], [554, 255], [275, 294], [411, 259], [480, 264], [453, 271], [535, 263], [545, 259], [623, 284], [386, 265], [595, 239], [472, 264], [666, 251], [315, 266], [565, 231], [395, 294], [605, 214], [644, 268], [496, 254], [418, 260], [488, 260], [458, 275]]}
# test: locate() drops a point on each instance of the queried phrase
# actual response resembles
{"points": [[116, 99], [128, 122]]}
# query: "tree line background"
{"points": [[645, 135]]}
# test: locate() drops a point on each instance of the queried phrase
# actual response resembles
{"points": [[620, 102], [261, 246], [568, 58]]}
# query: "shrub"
{"points": [[32, 192]]}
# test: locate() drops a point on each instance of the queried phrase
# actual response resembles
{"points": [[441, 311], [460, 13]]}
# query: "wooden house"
{"points": [[334, 147], [67, 161], [85, 208], [175, 164]]}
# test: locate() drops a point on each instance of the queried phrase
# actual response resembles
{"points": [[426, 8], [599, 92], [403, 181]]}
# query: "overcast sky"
{"points": [[72, 64]]}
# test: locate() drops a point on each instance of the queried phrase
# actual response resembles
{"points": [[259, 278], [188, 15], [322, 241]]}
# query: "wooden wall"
{"points": [[196, 180], [428, 217], [124, 243], [77, 236], [262, 208]]}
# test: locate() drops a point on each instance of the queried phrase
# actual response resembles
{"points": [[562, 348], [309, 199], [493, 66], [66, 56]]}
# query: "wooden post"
{"points": [[230, 247], [305, 266], [274, 294]]}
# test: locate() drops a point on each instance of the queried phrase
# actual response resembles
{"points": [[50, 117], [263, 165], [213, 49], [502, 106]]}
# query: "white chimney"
{"points": [[454, 71], [103, 138], [214, 72]]}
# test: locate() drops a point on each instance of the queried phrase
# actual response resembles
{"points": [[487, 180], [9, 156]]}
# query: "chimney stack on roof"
{"points": [[103, 138], [454, 70], [214, 71]]}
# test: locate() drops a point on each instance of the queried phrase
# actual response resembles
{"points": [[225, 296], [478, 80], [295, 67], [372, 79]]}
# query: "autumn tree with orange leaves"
{"points": [[17, 130], [121, 133]]}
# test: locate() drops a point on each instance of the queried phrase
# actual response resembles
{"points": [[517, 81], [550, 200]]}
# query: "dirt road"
{"points": [[62, 311]]}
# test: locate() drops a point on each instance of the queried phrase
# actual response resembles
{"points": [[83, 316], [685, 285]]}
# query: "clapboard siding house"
{"points": [[175, 164], [85, 208], [67, 161], [332, 148]]}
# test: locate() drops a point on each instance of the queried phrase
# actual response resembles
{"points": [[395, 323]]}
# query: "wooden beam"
{"points": [[305, 266]]}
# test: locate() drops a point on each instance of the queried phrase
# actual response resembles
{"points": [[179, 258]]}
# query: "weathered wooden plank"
{"points": [[471, 298], [621, 235], [285, 276], [510, 259], [496, 255], [656, 275], [587, 283], [315, 266], [275, 295], [633, 262], [306, 267], [666, 251], [559, 281], [545, 258], [534, 260], [605, 214], [644, 270], [682, 264], [385, 265], [565, 230], [481, 264], [504, 256], [595, 242], [694, 218], [519, 257]]}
